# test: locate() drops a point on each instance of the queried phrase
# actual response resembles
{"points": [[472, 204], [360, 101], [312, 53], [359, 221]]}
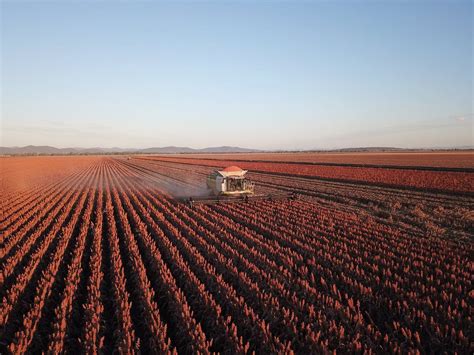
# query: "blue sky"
{"points": [[270, 75]]}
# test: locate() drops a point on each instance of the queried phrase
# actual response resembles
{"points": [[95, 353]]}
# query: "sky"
{"points": [[257, 74]]}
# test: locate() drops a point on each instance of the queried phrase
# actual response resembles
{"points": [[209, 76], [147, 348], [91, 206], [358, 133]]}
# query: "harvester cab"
{"points": [[230, 181]]}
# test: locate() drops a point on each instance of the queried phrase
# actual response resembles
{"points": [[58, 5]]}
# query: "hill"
{"points": [[48, 150]]}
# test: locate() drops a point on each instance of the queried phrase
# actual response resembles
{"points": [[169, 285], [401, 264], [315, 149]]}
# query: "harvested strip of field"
{"points": [[460, 182]]}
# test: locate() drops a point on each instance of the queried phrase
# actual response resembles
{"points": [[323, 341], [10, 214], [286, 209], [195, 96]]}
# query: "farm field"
{"points": [[97, 255]]}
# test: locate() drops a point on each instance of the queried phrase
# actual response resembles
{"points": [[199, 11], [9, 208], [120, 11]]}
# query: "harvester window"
{"points": [[234, 184]]}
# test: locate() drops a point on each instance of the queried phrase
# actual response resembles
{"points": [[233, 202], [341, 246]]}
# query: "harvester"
{"points": [[232, 185]]}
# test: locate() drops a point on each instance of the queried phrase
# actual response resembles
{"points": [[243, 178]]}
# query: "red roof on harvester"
{"points": [[232, 168]]}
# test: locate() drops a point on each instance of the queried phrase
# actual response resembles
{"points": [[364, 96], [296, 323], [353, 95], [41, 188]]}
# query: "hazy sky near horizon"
{"points": [[260, 74]]}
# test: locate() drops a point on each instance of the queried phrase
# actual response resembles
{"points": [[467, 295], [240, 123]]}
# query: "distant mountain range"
{"points": [[47, 150]]}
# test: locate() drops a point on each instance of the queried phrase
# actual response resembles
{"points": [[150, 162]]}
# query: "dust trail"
{"points": [[186, 186]]}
